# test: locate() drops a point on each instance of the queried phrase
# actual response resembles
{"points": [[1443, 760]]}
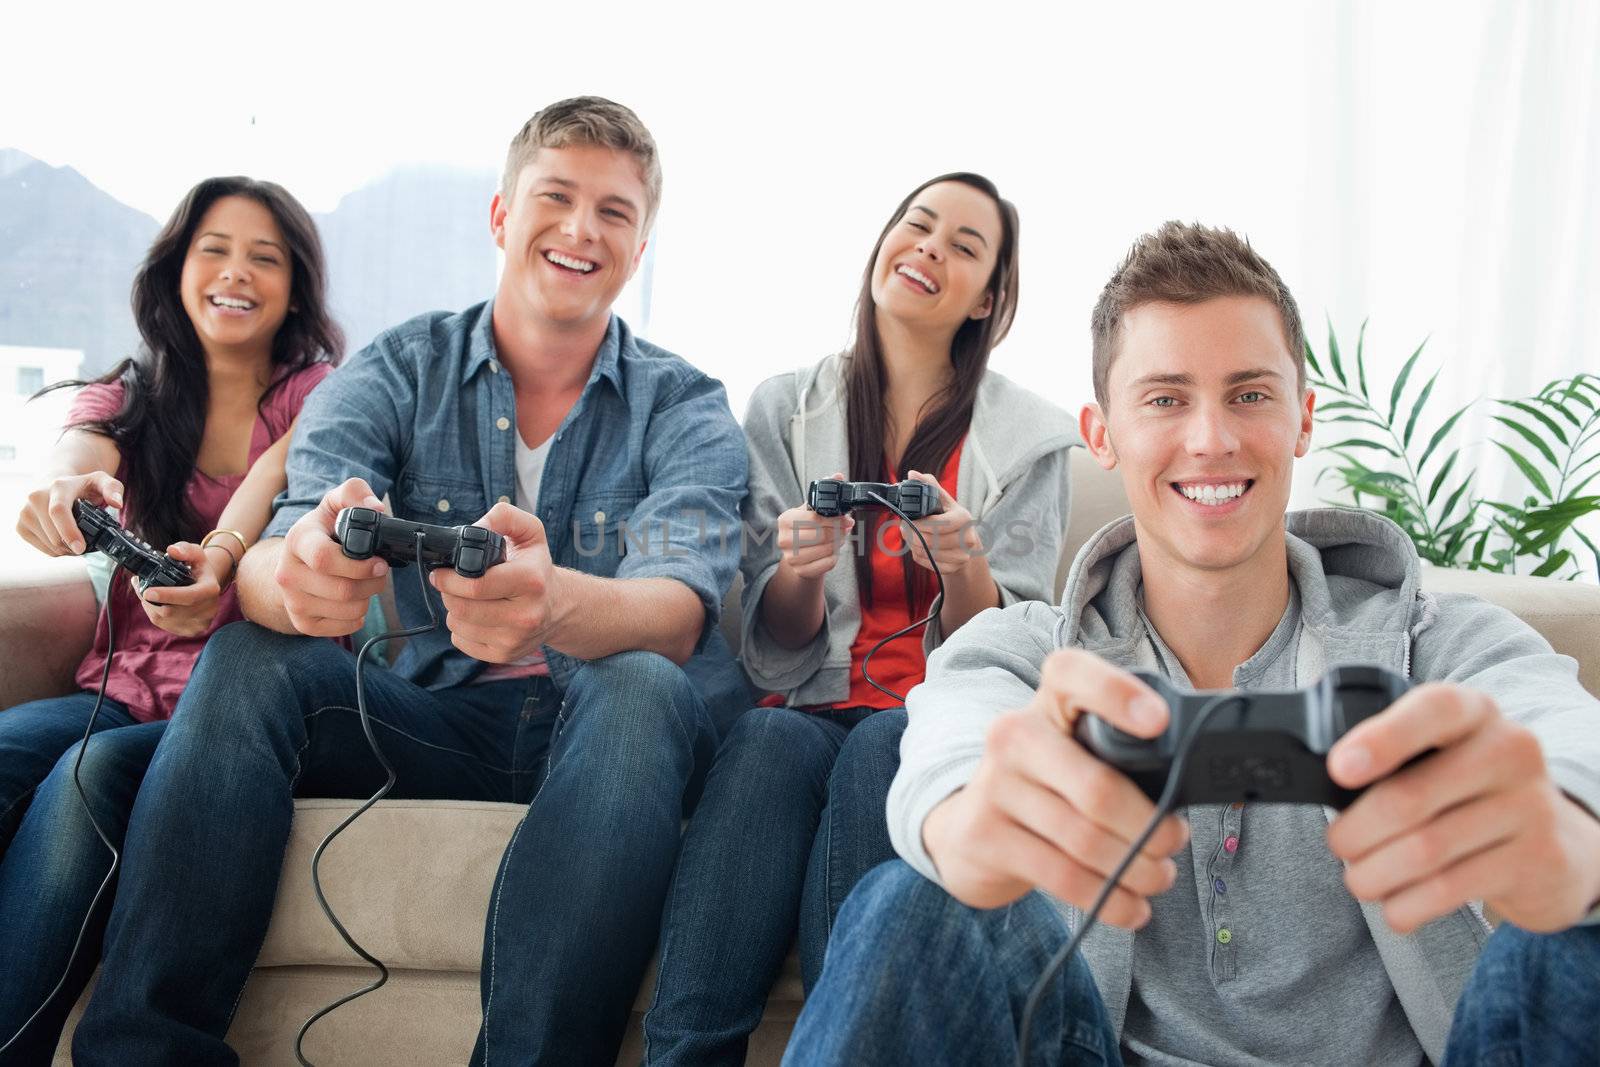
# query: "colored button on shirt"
{"points": [[1224, 935], [1220, 886], [1231, 844]]}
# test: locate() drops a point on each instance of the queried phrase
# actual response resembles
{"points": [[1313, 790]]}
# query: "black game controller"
{"points": [[1270, 747], [832, 497], [102, 533], [469, 550]]}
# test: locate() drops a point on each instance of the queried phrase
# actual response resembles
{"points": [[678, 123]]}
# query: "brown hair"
{"points": [[587, 120], [950, 411], [1187, 263]]}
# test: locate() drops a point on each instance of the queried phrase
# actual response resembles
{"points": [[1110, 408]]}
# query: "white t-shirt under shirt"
{"points": [[530, 472]]}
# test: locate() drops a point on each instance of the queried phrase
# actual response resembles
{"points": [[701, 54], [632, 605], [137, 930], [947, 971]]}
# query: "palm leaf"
{"points": [[1333, 356], [1553, 564], [1592, 548], [1477, 549], [1449, 505], [1558, 406], [1361, 363], [1440, 433], [1400, 382], [1528, 471], [1311, 360], [1416, 408], [1532, 438], [1362, 442], [1444, 472], [1574, 393], [1541, 416], [1364, 420]]}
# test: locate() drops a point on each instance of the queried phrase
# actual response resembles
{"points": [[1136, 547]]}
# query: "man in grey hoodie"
{"points": [[1247, 933]]}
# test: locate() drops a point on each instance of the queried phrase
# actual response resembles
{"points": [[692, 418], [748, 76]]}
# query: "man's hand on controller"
{"points": [[1041, 811], [514, 608], [324, 591], [1476, 818]]}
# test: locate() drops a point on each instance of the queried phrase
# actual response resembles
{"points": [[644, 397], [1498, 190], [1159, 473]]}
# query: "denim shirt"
{"points": [[644, 477]]}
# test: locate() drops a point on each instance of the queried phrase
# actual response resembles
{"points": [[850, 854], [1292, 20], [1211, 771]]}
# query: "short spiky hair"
{"points": [[587, 120], [1187, 263]]}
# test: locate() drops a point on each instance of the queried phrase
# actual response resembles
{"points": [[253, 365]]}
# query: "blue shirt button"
{"points": [[1220, 886]]}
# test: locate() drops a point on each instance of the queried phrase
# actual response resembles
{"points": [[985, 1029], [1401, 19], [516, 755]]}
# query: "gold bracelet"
{"points": [[205, 542]]}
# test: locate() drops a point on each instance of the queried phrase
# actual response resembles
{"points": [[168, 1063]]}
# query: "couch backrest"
{"points": [[1097, 498]]}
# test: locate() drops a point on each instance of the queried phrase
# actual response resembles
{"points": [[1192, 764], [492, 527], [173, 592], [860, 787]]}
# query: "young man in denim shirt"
{"points": [[560, 679]]}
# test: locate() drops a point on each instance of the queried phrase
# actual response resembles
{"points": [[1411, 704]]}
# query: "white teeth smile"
{"points": [[917, 276], [230, 302], [581, 265], [1213, 494]]}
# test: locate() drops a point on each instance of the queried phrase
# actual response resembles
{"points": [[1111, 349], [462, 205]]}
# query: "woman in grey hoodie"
{"points": [[793, 809]]}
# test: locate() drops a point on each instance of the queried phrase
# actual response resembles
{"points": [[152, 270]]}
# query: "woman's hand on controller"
{"points": [[188, 610], [808, 543], [952, 534], [46, 522], [1042, 812]]}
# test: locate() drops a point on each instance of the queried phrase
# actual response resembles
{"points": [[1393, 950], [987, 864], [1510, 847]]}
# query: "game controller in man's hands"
{"points": [[1255, 746], [470, 550]]}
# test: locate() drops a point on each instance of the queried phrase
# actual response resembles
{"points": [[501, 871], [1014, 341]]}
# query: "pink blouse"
{"points": [[151, 666]]}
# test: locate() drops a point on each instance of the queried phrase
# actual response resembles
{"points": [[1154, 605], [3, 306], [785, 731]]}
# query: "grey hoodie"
{"points": [[1012, 478], [1359, 582]]}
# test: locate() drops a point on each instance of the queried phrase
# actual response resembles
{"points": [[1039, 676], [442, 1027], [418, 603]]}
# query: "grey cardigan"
{"points": [[1361, 602], [1012, 478]]}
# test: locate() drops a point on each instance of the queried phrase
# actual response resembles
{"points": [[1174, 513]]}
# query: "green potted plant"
{"points": [[1389, 462]]}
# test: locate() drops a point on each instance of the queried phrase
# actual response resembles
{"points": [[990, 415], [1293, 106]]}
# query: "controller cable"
{"points": [[77, 765], [383, 791], [933, 611], [1169, 793]]}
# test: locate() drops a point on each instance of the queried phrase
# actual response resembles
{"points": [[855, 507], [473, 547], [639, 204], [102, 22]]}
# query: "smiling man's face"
{"points": [[1205, 417], [572, 228]]}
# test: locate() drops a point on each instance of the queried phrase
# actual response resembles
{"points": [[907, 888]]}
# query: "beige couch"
{"points": [[412, 877]]}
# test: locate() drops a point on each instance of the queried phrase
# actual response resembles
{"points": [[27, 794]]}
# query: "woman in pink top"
{"points": [[186, 437]]}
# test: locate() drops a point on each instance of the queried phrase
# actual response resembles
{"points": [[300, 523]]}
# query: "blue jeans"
{"points": [[791, 818], [917, 977], [606, 769], [52, 861]]}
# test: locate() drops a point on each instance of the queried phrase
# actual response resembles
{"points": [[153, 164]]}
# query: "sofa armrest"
{"points": [[47, 619], [1567, 614]]}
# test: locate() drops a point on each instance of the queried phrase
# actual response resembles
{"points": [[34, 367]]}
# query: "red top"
{"points": [[900, 664], [151, 666]]}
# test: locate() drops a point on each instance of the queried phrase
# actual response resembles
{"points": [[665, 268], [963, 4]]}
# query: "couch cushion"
{"points": [[410, 880]]}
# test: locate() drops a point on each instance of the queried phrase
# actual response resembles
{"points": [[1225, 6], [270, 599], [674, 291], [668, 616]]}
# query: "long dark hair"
{"points": [[944, 420], [162, 420]]}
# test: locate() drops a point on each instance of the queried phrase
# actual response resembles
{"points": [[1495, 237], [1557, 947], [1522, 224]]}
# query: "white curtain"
{"points": [[1454, 195]]}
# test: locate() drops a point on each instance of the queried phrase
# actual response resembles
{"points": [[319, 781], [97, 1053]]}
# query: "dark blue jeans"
{"points": [[791, 818], [51, 860], [917, 977], [605, 767]]}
